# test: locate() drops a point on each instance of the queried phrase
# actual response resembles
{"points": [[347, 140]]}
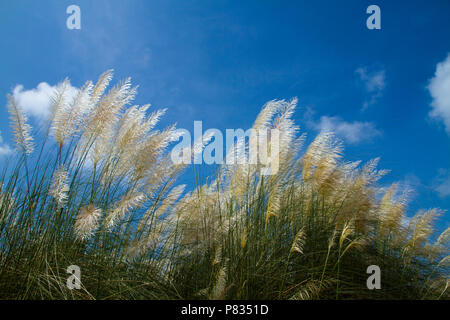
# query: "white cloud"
{"points": [[36, 102], [352, 132], [439, 88], [4, 148], [374, 83], [411, 181], [442, 183]]}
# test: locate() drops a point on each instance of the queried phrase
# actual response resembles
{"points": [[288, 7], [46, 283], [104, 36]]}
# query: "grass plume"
{"points": [[101, 192]]}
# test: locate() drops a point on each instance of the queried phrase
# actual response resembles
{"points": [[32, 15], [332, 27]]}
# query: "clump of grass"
{"points": [[100, 166], [307, 232], [96, 188]]}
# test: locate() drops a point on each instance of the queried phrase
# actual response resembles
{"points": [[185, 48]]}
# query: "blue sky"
{"points": [[220, 61]]}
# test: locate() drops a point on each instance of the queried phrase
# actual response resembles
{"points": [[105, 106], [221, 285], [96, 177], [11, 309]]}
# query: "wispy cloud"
{"points": [[439, 88], [374, 84], [411, 181], [36, 101], [5, 149], [442, 183], [351, 132]]}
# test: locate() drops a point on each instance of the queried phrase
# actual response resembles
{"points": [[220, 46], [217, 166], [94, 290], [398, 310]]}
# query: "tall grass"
{"points": [[96, 188]]}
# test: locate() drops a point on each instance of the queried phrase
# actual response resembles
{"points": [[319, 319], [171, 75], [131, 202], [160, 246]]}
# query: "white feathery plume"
{"points": [[131, 127], [153, 119], [273, 204], [169, 200], [444, 238], [287, 128], [102, 119], [189, 153], [299, 242], [59, 101], [150, 151], [68, 116], [134, 130], [159, 172], [244, 236], [90, 123], [86, 222], [128, 202], [266, 115], [81, 102], [219, 289], [22, 130], [236, 166], [347, 230], [129, 134], [422, 227], [324, 148], [369, 172], [101, 86], [391, 211], [59, 186], [440, 247], [200, 143]]}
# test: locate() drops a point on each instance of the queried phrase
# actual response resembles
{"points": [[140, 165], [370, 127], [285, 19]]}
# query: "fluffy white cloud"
{"points": [[4, 148], [352, 132], [439, 88], [374, 83], [36, 102], [442, 183]]}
